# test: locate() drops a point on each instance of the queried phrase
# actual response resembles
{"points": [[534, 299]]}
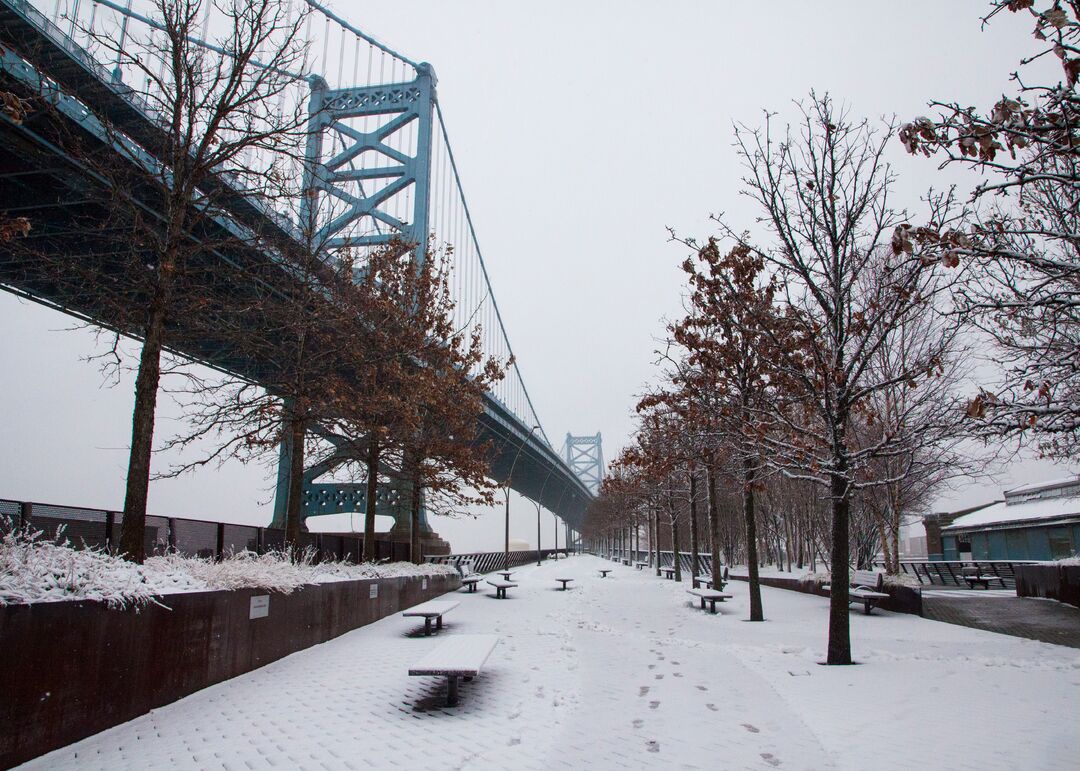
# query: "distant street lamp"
{"points": [[506, 492]]}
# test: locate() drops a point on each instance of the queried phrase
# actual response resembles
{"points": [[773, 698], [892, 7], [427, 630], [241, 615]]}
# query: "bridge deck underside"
{"points": [[68, 206]]}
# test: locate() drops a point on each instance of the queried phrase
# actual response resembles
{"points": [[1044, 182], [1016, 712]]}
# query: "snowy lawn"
{"points": [[623, 673]]}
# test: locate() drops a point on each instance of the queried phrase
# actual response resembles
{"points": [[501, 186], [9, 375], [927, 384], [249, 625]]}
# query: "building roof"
{"points": [[1048, 485], [1003, 513]]}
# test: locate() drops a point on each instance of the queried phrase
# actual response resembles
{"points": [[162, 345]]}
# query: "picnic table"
{"points": [[433, 609], [564, 581], [974, 576], [461, 656], [604, 571], [501, 587]]}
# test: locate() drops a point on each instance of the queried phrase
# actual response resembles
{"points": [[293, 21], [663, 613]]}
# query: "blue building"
{"points": [[1034, 522]]}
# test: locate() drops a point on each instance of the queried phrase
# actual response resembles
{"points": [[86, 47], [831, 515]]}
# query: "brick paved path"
{"points": [[623, 673], [1004, 612]]}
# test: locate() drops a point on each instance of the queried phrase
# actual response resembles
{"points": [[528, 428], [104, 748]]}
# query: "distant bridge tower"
{"points": [[585, 457]]}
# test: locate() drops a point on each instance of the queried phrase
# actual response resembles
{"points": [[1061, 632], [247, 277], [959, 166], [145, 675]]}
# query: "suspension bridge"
{"points": [[378, 166]]}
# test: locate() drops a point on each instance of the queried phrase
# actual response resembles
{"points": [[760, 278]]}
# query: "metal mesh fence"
{"points": [[99, 528]]}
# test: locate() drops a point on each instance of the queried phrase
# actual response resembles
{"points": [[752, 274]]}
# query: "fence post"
{"points": [[260, 540], [171, 539], [110, 519], [219, 549]]}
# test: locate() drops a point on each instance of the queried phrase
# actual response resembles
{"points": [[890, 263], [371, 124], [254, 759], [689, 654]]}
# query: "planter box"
{"points": [[71, 669], [1055, 582], [902, 599]]}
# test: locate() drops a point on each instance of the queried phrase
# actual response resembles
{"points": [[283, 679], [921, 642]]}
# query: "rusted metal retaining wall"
{"points": [[71, 669], [902, 599], [1054, 582]]}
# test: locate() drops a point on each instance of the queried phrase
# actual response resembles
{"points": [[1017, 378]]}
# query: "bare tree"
{"points": [[1022, 246], [824, 195]]}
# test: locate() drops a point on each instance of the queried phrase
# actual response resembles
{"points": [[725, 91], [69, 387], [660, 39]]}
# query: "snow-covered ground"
{"points": [[622, 673]]}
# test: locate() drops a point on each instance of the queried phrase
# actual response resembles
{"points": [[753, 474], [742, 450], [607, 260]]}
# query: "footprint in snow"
{"points": [[638, 723], [643, 690], [676, 674], [751, 728], [652, 666], [658, 677], [654, 704], [514, 740], [654, 746], [713, 707], [701, 687], [768, 758]]}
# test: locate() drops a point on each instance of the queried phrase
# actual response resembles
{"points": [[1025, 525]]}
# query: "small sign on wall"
{"points": [[260, 606], [373, 591], [423, 585]]}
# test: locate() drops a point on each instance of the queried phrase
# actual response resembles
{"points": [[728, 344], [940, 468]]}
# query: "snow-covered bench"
{"points": [[639, 564], [603, 572], [460, 656], [866, 587], [471, 582], [669, 572], [501, 586], [974, 576], [433, 609], [705, 579], [710, 596], [564, 582]]}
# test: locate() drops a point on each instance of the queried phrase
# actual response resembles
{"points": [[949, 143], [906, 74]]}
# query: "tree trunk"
{"points": [[756, 613], [294, 502], [414, 517], [839, 633], [695, 547], [372, 493], [655, 537], [676, 561], [132, 532], [714, 524]]}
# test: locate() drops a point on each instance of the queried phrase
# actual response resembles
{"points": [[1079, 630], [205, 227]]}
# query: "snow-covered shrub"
{"points": [[1072, 561], [902, 579], [35, 569]]}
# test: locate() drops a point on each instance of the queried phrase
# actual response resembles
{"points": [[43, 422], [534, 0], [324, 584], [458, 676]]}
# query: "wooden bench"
{"points": [[460, 656], [604, 571], [501, 587], [974, 576], [471, 582], [865, 587], [564, 582], [710, 596], [432, 609], [669, 572], [639, 565]]}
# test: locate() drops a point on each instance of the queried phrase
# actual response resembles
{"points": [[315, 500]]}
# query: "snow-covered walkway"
{"points": [[622, 673]]}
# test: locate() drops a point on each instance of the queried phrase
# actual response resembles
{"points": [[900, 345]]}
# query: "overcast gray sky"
{"points": [[582, 130]]}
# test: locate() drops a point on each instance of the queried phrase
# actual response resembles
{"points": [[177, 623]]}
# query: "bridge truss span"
{"points": [[378, 166]]}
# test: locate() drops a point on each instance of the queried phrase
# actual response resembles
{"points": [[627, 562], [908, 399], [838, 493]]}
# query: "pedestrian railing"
{"points": [[951, 572]]}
